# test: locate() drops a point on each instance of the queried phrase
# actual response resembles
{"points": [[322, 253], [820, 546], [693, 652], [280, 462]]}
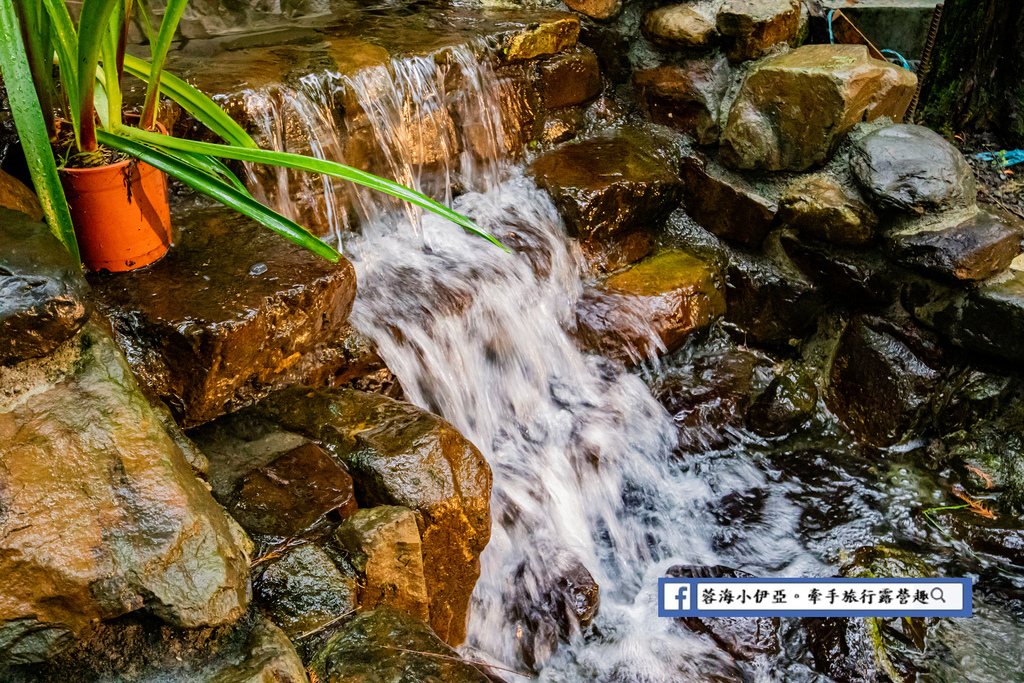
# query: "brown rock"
{"points": [[656, 303], [569, 78], [102, 514], [724, 203], [292, 493], [542, 40], [752, 27], [597, 9], [14, 195], [687, 97], [230, 313], [383, 545], [679, 27], [400, 455], [820, 208], [792, 111]]}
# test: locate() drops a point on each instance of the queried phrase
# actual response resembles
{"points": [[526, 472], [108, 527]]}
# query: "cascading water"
{"points": [[582, 454]]}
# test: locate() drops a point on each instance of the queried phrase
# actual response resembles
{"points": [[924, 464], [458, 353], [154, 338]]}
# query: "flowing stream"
{"points": [[582, 454]]}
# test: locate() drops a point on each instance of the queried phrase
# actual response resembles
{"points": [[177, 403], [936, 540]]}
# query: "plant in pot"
{"points": [[111, 166]]}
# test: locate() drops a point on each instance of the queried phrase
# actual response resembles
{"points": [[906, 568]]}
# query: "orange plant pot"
{"points": [[120, 213]]}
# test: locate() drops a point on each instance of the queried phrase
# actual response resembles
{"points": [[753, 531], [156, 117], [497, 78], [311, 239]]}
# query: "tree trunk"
{"points": [[976, 79]]}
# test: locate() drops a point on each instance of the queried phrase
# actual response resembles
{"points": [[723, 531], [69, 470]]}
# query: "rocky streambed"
{"points": [[751, 324]]}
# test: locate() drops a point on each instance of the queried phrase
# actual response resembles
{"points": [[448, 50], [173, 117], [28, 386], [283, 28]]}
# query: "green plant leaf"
{"points": [[109, 45], [37, 39], [65, 41], [29, 120], [93, 23], [216, 188], [168, 25], [214, 167], [312, 165], [194, 102]]}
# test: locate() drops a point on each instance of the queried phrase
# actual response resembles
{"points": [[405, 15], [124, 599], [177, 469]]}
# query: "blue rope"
{"points": [[1005, 158], [832, 40], [904, 62]]}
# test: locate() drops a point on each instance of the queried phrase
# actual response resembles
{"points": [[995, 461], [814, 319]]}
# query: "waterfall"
{"points": [[582, 454]]}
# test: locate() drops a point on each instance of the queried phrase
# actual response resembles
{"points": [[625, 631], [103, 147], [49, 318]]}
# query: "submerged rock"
{"points": [[44, 299], [613, 193], [742, 637], [383, 545], [1001, 535], [820, 208], [687, 97], [387, 645], [679, 27], [792, 111], [752, 27], [101, 513], [911, 168], [724, 203], [882, 378], [302, 590], [400, 455], [973, 249], [787, 403], [656, 303], [232, 311]]}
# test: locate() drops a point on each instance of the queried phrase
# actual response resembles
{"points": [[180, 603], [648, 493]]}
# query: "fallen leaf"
{"points": [[975, 506]]}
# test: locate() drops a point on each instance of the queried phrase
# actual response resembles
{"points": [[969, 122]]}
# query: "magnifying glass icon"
{"points": [[937, 595]]}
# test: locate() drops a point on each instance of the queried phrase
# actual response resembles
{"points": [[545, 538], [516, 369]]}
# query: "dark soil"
{"points": [[1000, 186]]}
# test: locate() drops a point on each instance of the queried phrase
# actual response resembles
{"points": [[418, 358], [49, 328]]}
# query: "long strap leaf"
{"points": [[216, 188], [28, 118], [168, 25], [93, 22], [35, 33], [311, 165], [194, 102], [65, 40]]}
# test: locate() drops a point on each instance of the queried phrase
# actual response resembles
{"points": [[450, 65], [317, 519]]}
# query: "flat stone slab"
{"points": [[725, 203], [231, 312]]}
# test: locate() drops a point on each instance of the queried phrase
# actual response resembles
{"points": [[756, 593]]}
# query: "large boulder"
{"points": [[679, 27], [975, 248], [651, 307], [232, 311], [388, 645], [820, 208], [569, 78], [400, 455], [612, 191], [101, 514], [726, 204], [793, 110], [751, 28], [44, 299], [688, 96], [912, 169]]}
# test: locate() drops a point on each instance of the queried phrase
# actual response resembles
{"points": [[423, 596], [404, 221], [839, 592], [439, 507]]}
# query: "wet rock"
{"points": [[44, 300], [873, 648], [724, 203], [650, 307], [679, 27], [687, 97], [138, 648], [542, 39], [16, 196], [752, 27], [793, 110], [293, 493], [744, 638], [857, 278], [1002, 536], [400, 455], [597, 9], [303, 590], [383, 545], [988, 319], [768, 298], [388, 645], [820, 208], [913, 169], [570, 78], [613, 192], [85, 460], [231, 312], [787, 403], [708, 398], [882, 378], [973, 249]]}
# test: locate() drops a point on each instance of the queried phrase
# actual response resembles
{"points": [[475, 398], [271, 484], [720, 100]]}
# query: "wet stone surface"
{"points": [[752, 27], [231, 312], [688, 96], [724, 203], [820, 208], [679, 27], [786, 404], [44, 299]]}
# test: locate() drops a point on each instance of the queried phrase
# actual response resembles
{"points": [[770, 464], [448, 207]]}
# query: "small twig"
{"points": [[277, 550], [471, 662], [332, 622]]}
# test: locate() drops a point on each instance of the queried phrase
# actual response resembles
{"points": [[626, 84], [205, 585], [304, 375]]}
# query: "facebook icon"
{"points": [[674, 597]]}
